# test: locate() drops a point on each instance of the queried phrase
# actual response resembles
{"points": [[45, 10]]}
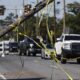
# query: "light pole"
{"points": [[64, 23]]}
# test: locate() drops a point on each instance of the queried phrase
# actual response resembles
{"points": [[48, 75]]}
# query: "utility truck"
{"points": [[68, 46]]}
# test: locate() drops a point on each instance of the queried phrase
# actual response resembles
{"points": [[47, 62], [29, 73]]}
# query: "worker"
{"points": [[22, 48]]}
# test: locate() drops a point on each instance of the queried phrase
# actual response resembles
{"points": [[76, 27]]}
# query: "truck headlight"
{"points": [[31, 45], [46, 52], [66, 46]]}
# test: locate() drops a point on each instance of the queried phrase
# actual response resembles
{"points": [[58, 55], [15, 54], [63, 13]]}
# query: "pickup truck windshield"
{"points": [[72, 37]]}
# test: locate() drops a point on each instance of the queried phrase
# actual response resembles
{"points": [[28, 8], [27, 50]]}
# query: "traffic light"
{"points": [[2, 9], [27, 8]]}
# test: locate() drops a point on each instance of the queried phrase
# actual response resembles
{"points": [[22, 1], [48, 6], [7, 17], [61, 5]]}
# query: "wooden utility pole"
{"points": [[17, 30], [24, 21], [54, 14], [54, 26], [37, 22], [64, 23]]}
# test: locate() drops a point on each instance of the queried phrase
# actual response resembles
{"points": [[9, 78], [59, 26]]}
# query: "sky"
{"points": [[13, 4]]}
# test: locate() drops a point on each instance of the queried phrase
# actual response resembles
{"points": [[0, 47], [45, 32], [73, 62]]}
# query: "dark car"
{"points": [[29, 47], [33, 48], [13, 47]]}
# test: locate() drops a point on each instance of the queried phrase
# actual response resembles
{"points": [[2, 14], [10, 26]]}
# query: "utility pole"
{"points": [[37, 8], [64, 23], [37, 27], [17, 30], [54, 14], [23, 14], [37, 21], [54, 26]]}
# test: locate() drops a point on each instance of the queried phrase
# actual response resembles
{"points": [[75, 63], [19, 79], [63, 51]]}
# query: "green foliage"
{"points": [[74, 7], [73, 18], [73, 21], [2, 22], [30, 26]]}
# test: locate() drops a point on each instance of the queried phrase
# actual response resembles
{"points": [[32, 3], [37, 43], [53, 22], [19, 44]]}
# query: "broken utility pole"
{"points": [[20, 20]]}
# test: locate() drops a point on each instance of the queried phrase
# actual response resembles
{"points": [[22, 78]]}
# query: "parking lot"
{"points": [[14, 67]]}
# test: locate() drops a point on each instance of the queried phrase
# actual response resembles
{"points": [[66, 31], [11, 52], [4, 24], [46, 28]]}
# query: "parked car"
{"points": [[13, 47], [69, 47], [46, 53], [29, 47], [33, 48]]}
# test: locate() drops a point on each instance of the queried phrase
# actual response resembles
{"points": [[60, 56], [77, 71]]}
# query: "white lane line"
{"points": [[53, 66], [2, 77]]}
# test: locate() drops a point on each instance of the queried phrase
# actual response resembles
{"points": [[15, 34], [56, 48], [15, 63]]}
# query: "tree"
{"points": [[73, 21], [72, 18], [74, 8], [2, 22], [10, 18]]}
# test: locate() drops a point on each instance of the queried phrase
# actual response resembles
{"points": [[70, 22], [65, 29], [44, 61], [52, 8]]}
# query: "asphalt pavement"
{"points": [[14, 67]]}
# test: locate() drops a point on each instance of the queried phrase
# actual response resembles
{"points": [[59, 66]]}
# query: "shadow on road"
{"points": [[29, 79], [72, 63]]}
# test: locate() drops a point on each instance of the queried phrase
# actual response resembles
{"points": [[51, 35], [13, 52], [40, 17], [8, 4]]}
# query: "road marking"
{"points": [[36, 61], [53, 66], [2, 77]]}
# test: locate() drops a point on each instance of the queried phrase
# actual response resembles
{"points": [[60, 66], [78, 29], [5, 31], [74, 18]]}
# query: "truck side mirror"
{"points": [[58, 39]]}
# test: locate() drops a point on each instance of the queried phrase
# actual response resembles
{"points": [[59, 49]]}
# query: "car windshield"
{"points": [[49, 46], [13, 44], [72, 37], [30, 41]]}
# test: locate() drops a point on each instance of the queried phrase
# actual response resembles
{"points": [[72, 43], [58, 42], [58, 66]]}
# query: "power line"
{"points": [[14, 9]]}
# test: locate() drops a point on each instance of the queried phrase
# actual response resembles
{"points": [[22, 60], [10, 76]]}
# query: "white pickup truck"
{"points": [[68, 46]]}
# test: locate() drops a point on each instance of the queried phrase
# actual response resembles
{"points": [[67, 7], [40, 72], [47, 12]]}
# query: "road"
{"points": [[14, 67]]}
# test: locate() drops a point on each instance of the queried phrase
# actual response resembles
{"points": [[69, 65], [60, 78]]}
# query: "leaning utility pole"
{"points": [[20, 20], [64, 23]]}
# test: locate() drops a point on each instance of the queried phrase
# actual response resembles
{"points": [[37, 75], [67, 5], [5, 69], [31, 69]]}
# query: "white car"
{"points": [[46, 53], [68, 46]]}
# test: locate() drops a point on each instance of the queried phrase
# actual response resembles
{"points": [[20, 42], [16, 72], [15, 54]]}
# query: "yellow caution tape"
{"points": [[31, 39], [54, 53], [50, 36]]}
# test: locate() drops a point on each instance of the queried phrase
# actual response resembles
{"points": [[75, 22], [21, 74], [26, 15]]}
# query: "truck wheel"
{"points": [[34, 54], [63, 59], [20, 54], [25, 54], [58, 57], [78, 60]]}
